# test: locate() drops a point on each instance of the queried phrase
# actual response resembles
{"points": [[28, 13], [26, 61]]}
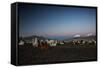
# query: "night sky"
{"points": [[56, 21]]}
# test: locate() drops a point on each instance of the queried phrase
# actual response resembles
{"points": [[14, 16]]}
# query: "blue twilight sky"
{"points": [[53, 21]]}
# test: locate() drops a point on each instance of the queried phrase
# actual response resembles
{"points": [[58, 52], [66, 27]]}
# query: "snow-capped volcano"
{"points": [[90, 34], [77, 35]]}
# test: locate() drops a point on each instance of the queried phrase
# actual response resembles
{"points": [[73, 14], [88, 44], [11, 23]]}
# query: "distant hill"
{"points": [[86, 37], [82, 38], [34, 36], [70, 39]]}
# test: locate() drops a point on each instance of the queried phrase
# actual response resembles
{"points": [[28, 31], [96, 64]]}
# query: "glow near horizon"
{"points": [[56, 21]]}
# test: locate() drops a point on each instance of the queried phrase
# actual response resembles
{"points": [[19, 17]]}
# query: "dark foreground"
{"points": [[30, 55]]}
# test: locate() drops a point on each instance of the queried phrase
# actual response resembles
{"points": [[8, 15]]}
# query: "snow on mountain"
{"points": [[77, 35], [90, 34]]}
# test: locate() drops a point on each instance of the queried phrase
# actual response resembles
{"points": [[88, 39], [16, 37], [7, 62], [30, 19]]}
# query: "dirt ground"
{"points": [[29, 55]]}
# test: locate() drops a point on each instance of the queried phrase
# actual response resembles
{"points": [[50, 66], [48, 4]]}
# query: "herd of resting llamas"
{"points": [[50, 43]]}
